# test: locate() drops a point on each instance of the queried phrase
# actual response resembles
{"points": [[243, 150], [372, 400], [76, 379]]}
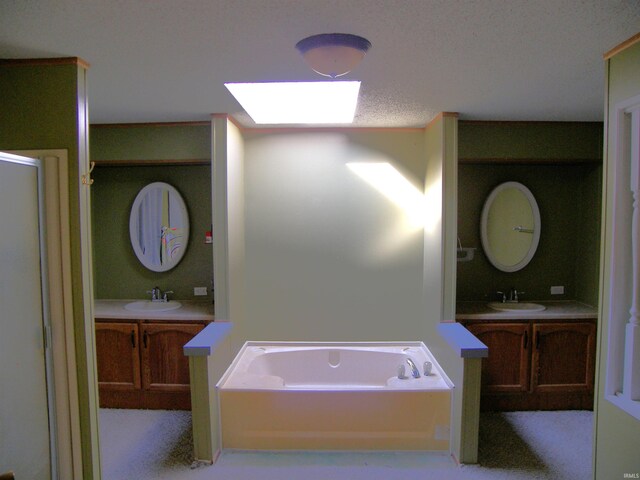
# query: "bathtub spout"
{"points": [[415, 373]]}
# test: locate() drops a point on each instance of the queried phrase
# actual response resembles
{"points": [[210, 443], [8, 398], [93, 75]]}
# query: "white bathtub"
{"points": [[334, 396]]}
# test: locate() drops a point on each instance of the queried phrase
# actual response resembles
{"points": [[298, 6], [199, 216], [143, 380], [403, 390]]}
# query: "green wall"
{"points": [[149, 142], [568, 195], [542, 141], [117, 271], [44, 106]]}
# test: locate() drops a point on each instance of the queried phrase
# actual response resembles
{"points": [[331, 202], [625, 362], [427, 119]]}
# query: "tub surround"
{"points": [[559, 310], [190, 311]]}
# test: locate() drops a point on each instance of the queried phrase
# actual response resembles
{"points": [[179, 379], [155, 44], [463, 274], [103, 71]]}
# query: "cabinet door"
{"points": [[118, 356], [563, 357], [164, 365], [506, 369]]}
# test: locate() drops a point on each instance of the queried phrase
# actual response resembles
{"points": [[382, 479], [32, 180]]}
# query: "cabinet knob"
{"points": [[133, 339]]}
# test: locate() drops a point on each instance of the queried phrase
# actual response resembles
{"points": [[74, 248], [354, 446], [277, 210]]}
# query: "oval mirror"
{"points": [[510, 226], [159, 227]]}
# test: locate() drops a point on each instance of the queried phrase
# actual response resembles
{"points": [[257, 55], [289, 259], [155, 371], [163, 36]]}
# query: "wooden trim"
{"points": [[522, 122], [527, 161], [165, 162], [150, 124], [145, 399], [46, 61], [622, 46]]}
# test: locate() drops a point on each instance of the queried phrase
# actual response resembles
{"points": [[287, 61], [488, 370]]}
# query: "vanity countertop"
{"points": [[189, 311], [555, 310]]}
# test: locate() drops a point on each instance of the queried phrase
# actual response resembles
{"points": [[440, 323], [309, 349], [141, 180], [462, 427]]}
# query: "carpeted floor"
{"points": [[148, 444]]}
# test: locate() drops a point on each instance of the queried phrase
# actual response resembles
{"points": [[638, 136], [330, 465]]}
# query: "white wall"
{"points": [[327, 256]]}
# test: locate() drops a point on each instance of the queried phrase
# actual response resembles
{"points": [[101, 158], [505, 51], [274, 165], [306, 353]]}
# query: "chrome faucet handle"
{"points": [[401, 372], [513, 294], [504, 297], [156, 294], [428, 367], [165, 298]]}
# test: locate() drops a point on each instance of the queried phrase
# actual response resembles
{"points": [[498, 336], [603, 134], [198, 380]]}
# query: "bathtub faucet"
{"points": [[415, 373]]}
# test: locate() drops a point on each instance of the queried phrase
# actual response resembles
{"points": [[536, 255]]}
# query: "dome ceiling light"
{"points": [[333, 54]]}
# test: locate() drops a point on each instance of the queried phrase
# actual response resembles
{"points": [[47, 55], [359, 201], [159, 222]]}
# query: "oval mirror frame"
{"points": [[517, 224], [166, 205]]}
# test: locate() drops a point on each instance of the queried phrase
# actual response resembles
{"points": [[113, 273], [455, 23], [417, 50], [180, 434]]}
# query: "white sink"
{"points": [[521, 307], [149, 306]]}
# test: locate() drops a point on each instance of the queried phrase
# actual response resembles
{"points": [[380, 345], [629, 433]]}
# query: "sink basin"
{"points": [[521, 307], [149, 306]]}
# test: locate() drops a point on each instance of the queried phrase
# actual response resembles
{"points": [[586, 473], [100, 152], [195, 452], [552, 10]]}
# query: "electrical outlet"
{"points": [[197, 291], [557, 290]]}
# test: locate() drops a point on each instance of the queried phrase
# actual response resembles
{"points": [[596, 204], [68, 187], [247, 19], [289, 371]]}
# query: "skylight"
{"points": [[298, 102]]}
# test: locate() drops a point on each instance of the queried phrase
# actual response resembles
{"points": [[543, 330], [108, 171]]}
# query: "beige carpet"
{"points": [[146, 444]]}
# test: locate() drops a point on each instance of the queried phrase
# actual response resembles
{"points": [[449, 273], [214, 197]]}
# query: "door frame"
{"points": [[45, 296], [55, 168]]}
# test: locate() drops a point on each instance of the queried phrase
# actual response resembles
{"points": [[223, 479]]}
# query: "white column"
{"points": [[631, 379]]}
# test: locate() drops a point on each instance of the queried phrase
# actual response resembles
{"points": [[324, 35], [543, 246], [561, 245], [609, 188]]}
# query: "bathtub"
{"points": [[333, 396]]}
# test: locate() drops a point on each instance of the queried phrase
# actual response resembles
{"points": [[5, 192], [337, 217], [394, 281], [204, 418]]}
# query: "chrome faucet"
{"points": [[158, 296], [513, 295], [415, 373]]}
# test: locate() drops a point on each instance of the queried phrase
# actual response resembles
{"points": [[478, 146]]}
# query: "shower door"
{"points": [[26, 429]]}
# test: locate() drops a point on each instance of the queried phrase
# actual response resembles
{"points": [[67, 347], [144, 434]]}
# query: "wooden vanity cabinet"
{"points": [[164, 366], [118, 354], [537, 365], [141, 363], [563, 358], [509, 363]]}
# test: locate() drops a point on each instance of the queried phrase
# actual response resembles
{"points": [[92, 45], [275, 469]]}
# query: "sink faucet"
{"points": [[513, 295], [415, 373], [156, 294]]}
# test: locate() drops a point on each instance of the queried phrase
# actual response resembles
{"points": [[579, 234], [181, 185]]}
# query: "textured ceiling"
{"points": [[167, 60]]}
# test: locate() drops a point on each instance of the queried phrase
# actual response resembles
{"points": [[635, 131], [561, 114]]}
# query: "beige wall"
{"points": [[327, 256], [617, 433]]}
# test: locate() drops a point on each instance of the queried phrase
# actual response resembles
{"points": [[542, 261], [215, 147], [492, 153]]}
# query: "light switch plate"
{"points": [[198, 291]]}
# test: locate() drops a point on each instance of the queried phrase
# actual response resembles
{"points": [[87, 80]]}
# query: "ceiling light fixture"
{"points": [[333, 54]]}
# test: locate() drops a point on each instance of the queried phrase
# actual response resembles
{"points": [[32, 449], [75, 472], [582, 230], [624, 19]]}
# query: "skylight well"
{"points": [[280, 103]]}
